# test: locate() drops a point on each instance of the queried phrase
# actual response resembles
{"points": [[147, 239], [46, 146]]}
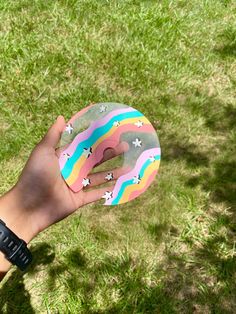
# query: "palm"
{"points": [[45, 193]]}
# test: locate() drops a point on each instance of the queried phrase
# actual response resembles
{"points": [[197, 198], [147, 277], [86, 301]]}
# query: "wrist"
{"points": [[16, 219], [15, 216]]}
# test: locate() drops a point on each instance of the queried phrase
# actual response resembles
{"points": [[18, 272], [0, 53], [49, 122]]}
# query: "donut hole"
{"points": [[112, 158]]}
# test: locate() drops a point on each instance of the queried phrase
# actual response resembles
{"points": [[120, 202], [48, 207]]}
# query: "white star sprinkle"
{"points": [[116, 123], [69, 128], [139, 123], [86, 182], [109, 176], [136, 179], [66, 155], [87, 152], [137, 142], [152, 158], [107, 195], [103, 108]]}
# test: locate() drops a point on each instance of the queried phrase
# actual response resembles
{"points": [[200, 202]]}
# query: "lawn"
{"points": [[172, 250]]}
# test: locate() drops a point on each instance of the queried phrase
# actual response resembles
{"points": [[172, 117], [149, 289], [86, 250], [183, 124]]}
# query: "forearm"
{"points": [[17, 220]]}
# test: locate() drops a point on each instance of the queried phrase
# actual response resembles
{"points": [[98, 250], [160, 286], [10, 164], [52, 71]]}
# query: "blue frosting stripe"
{"points": [[97, 133], [130, 182]]}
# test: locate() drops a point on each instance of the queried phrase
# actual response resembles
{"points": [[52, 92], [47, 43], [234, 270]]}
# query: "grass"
{"points": [[173, 249]]}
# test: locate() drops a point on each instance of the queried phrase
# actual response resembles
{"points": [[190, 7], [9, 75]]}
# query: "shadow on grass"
{"points": [[156, 230], [217, 164], [13, 295], [187, 151], [125, 280], [202, 282], [227, 46], [183, 287], [221, 182], [211, 273], [219, 178]]}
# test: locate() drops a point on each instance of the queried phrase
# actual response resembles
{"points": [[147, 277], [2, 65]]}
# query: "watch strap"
{"points": [[14, 248]]}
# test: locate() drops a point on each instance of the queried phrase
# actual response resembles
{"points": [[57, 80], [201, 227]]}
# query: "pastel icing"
{"points": [[108, 125]]}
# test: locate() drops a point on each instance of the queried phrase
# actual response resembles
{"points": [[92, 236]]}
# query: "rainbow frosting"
{"points": [[106, 125]]}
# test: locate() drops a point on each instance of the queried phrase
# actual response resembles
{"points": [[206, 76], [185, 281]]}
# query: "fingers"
{"points": [[106, 176], [96, 194], [100, 178], [53, 135]]}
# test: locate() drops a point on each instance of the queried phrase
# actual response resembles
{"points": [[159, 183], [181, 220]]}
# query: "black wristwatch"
{"points": [[14, 248]]}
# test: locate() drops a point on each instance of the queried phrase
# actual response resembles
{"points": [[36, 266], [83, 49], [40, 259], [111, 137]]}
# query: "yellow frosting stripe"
{"points": [[135, 187]]}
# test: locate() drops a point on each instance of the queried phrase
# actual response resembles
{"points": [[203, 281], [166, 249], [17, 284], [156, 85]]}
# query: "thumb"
{"points": [[53, 135]]}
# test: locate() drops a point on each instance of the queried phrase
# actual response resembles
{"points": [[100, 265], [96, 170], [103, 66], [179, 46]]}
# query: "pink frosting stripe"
{"points": [[87, 133], [136, 193], [113, 141], [135, 171]]}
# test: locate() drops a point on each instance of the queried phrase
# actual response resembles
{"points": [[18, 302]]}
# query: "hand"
{"points": [[41, 196]]}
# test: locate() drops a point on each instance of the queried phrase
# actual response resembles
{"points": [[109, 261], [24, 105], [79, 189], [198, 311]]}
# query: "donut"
{"points": [[101, 126]]}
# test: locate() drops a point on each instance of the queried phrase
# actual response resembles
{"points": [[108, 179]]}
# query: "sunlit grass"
{"points": [[173, 249]]}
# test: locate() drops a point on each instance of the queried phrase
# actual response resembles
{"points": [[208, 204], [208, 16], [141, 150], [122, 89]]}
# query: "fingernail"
{"points": [[59, 118]]}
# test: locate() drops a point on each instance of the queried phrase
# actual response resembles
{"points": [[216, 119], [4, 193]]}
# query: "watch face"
{"points": [[101, 126]]}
